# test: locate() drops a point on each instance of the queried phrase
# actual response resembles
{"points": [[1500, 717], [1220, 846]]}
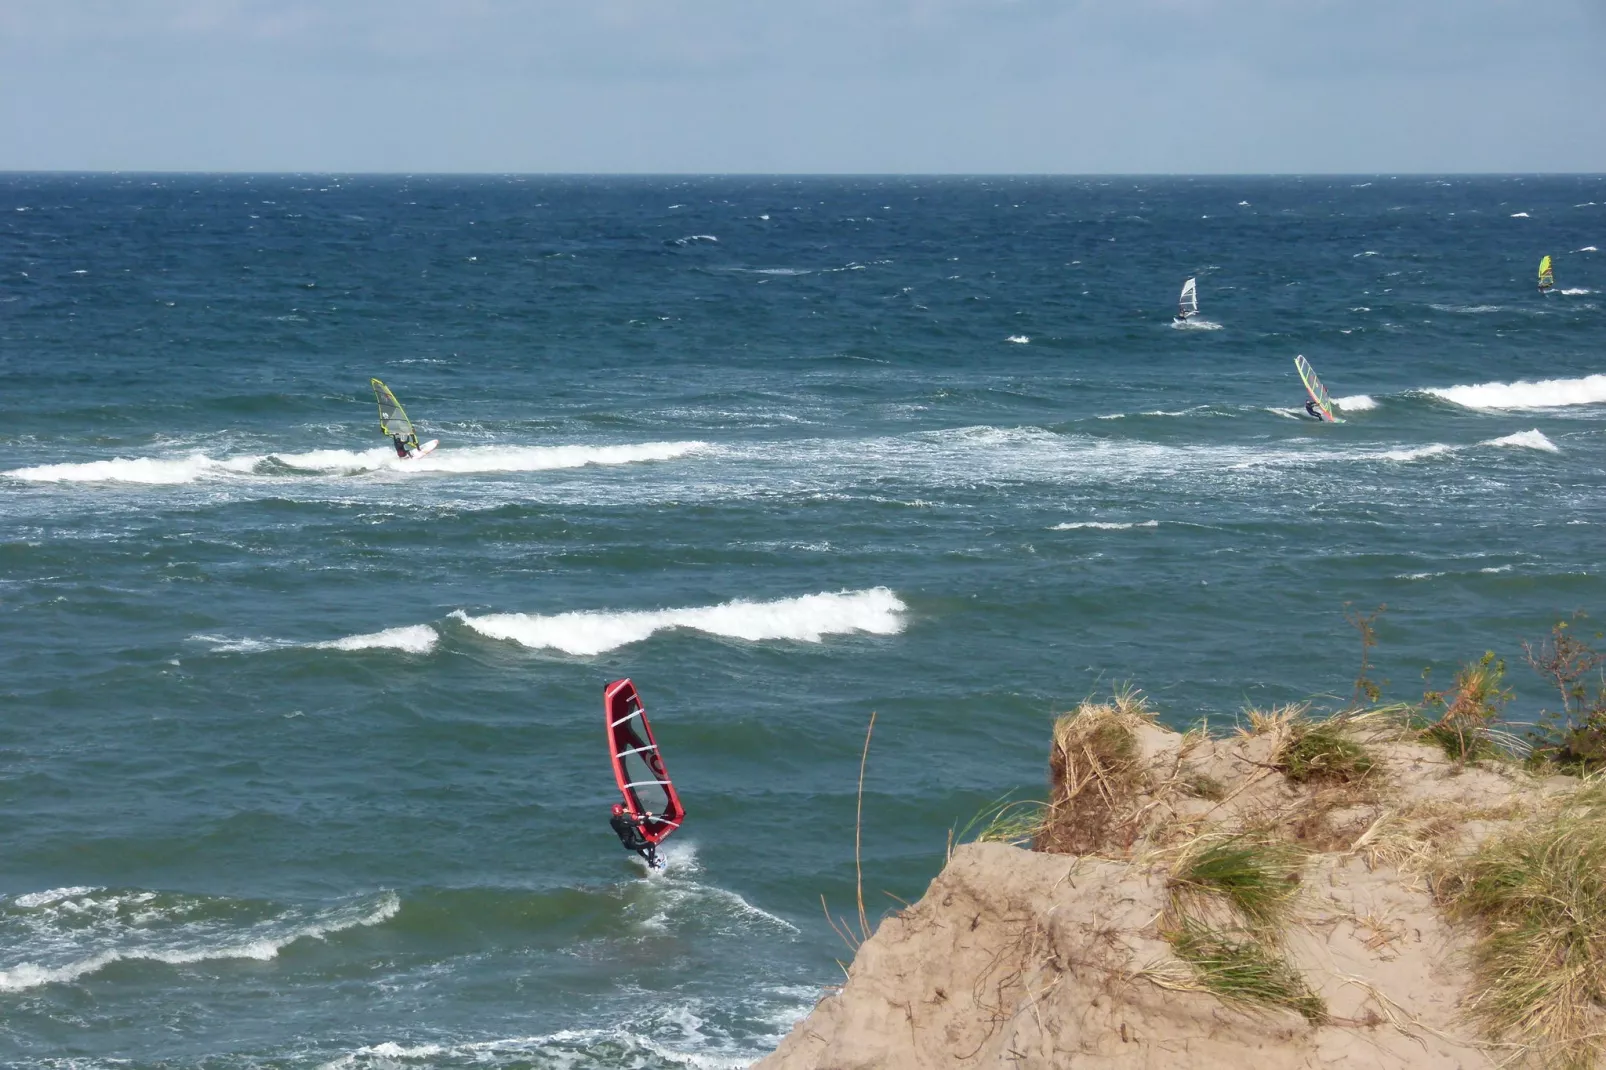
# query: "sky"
{"points": [[804, 86]]}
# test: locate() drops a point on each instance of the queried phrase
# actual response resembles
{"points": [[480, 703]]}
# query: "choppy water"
{"points": [[301, 753]]}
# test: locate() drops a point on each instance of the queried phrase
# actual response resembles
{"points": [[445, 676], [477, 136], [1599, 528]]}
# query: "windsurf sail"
{"points": [[1188, 303], [1547, 278], [637, 766], [1318, 392], [393, 419]]}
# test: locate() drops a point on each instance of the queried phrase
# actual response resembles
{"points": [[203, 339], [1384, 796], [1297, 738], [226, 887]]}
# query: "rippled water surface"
{"points": [[301, 746]]}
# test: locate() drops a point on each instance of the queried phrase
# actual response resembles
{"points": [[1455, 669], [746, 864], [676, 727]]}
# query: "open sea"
{"points": [[302, 759]]}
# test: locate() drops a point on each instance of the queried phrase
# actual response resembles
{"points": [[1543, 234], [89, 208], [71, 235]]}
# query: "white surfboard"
{"points": [[425, 448]]}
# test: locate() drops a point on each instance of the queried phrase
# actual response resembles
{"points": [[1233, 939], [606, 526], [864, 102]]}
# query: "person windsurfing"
{"points": [[1315, 412], [628, 828], [401, 447]]}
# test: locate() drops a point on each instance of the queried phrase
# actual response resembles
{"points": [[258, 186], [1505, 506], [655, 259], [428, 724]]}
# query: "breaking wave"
{"points": [[1104, 525], [67, 933], [1544, 394], [472, 459], [1018, 339], [1531, 440], [1355, 403], [148, 470], [1575, 291], [1195, 324], [414, 639], [805, 619], [411, 639], [1417, 453]]}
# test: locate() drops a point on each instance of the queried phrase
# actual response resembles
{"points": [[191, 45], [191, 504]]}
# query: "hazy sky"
{"points": [[1069, 86]]}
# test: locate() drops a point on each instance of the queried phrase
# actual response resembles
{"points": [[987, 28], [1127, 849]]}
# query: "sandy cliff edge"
{"points": [[1027, 959]]}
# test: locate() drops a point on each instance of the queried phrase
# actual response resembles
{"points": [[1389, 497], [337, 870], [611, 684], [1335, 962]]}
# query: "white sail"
{"points": [[1188, 303]]}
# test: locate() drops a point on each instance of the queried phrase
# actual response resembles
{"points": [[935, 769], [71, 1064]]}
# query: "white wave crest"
{"points": [[1575, 291], [1355, 403], [1544, 394], [1018, 339], [1588, 249], [70, 933], [1194, 323], [474, 459], [1103, 525], [1519, 215], [804, 619], [1416, 454], [147, 470], [491, 458], [413, 638], [1470, 309], [1530, 440]]}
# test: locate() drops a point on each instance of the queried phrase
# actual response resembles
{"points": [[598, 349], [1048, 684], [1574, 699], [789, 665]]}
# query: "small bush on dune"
{"points": [[1469, 710], [1574, 737]]}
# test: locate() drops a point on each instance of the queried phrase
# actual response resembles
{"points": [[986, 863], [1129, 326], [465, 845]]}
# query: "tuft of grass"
{"points": [[1013, 821], [1321, 751], [1537, 896], [1205, 786], [1243, 972], [1094, 777], [1257, 875]]}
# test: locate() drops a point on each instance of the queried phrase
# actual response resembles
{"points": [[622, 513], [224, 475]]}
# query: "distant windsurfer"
{"points": [[628, 829], [401, 447], [1315, 412]]}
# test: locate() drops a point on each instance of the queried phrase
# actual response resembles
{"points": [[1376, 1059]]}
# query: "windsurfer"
{"points": [[628, 829], [401, 447], [1315, 413]]}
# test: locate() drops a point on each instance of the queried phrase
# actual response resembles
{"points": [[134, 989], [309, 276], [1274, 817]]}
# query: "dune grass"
{"points": [[1256, 875], [1094, 776], [1537, 896], [1242, 972], [1321, 751]]}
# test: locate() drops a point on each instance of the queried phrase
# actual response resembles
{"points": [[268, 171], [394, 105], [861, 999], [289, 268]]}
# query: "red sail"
{"points": [[637, 766]]}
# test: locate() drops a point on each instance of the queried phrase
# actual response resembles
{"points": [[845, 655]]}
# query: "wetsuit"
{"points": [[1310, 407], [401, 447], [629, 832]]}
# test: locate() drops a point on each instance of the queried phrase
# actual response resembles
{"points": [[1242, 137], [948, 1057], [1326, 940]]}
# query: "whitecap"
{"points": [[1194, 323], [1018, 339], [1530, 440], [1575, 291], [1519, 215], [1418, 453], [412, 639], [1523, 394], [1355, 403], [808, 619], [1104, 525]]}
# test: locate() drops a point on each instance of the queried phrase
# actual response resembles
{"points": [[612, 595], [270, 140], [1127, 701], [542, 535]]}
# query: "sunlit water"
{"points": [[301, 747]]}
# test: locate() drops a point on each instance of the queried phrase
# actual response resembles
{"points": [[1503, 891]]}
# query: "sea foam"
{"points": [[1355, 403], [70, 933], [804, 619], [1544, 394], [468, 460]]}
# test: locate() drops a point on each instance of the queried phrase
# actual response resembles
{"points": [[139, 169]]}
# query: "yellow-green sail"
{"points": [[393, 419], [1314, 387], [1547, 278]]}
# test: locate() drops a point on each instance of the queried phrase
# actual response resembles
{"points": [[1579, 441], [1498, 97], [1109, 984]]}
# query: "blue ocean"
{"points": [[302, 749]]}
